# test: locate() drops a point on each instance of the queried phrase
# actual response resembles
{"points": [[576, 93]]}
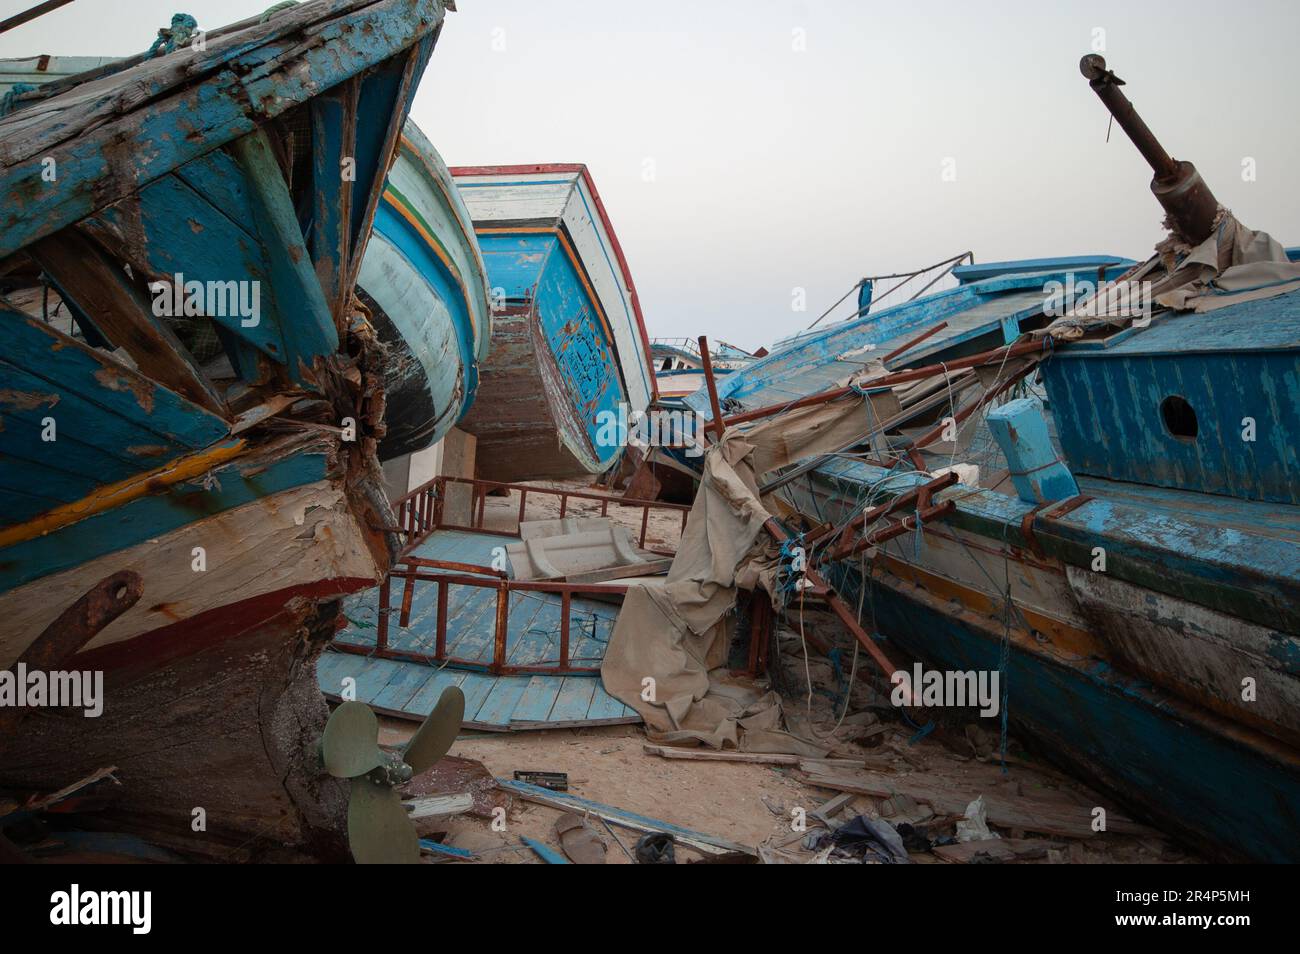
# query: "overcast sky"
{"points": [[748, 148]]}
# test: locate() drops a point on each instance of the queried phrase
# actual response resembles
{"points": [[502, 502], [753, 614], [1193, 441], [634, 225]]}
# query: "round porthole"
{"points": [[1179, 418]]}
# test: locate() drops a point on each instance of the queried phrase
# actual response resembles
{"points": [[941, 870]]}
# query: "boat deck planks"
{"points": [[409, 689]]}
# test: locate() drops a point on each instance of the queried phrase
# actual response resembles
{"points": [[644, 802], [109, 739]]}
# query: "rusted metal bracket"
{"points": [[917, 498], [77, 625], [1053, 508], [1027, 529], [1066, 506], [823, 591]]}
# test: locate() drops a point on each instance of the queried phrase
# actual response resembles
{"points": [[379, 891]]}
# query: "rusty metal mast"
{"points": [[1177, 185]]}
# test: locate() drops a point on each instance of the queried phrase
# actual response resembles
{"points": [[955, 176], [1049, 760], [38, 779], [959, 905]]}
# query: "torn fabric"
{"points": [[668, 647]]}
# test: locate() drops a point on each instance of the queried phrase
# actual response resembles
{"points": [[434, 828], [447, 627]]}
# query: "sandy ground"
{"points": [[606, 764], [745, 803]]}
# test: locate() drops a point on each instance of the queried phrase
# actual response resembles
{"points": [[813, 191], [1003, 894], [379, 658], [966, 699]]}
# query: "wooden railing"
{"points": [[448, 574], [421, 511]]}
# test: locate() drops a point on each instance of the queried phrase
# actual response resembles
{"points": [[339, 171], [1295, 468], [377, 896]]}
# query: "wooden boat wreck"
{"points": [[424, 285], [1119, 541], [679, 369], [569, 342], [191, 398]]}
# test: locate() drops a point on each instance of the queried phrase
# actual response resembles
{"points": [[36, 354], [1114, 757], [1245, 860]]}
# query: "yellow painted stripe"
{"points": [[1065, 636], [437, 249], [442, 187], [124, 491]]}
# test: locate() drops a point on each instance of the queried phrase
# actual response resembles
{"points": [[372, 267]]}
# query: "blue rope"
{"points": [[172, 38], [10, 101]]}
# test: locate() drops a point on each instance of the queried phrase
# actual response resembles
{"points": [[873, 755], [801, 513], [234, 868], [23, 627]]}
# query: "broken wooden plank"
{"points": [[714, 755], [262, 412], [951, 796], [545, 852], [756, 758], [439, 806], [825, 812], [703, 843], [334, 138], [119, 310], [649, 568], [450, 851], [1002, 850]]}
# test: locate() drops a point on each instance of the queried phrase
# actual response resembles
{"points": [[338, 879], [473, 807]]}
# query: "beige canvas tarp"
{"points": [[1233, 265], [675, 632]]}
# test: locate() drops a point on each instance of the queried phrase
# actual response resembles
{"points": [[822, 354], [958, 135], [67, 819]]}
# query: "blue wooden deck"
{"points": [[410, 689]]}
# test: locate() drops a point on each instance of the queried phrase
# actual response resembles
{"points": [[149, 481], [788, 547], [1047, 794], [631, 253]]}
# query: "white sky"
{"points": [[776, 169]]}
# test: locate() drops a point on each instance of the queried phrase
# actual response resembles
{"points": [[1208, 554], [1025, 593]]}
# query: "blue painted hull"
{"points": [[1233, 799], [570, 356], [1169, 672], [553, 374], [424, 283], [186, 399]]}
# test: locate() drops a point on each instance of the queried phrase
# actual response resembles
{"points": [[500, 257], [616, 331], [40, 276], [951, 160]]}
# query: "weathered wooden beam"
{"points": [[439, 806], [85, 275], [306, 321], [750, 758], [199, 101], [363, 218], [716, 424], [334, 158]]}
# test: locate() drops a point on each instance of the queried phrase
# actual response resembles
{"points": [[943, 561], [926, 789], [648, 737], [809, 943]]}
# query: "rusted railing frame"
{"points": [[450, 573], [420, 512], [917, 498]]}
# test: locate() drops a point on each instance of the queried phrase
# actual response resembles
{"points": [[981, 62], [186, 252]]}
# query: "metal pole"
{"points": [[718, 425], [18, 19], [1176, 185]]}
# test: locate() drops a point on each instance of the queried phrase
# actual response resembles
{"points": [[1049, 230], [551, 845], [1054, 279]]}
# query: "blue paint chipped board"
{"points": [[451, 851], [1217, 370], [185, 123], [409, 690], [1090, 713]]}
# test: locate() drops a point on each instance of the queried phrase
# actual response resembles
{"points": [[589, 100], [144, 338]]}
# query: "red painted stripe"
{"points": [[185, 637]]}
